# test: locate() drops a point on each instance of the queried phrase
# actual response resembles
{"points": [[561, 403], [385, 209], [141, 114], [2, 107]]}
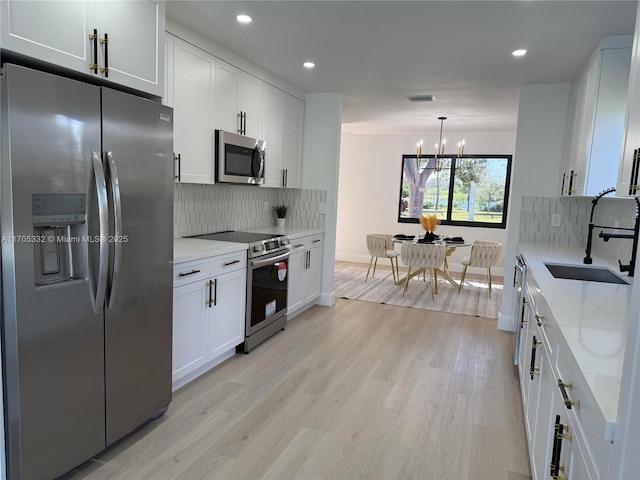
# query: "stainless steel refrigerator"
{"points": [[86, 217]]}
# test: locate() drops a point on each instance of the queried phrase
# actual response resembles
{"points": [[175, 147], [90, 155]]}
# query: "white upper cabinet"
{"points": [[193, 100], [596, 119], [56, 32], [135, 31], [272, 116], [293, 121], [238, 104], [127, 49], [631, 147], [282, 118]]}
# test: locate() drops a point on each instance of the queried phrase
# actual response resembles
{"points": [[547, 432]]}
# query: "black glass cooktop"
{"points": [[237, 237]]}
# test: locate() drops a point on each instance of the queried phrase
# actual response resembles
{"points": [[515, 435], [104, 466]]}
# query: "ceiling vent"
{"points": [[421, 98]]}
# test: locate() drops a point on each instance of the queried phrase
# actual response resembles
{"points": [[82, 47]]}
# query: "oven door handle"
{"points": [[269, 261]]}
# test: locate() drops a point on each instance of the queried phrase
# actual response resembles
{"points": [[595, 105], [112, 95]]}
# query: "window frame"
{"points": [[451, 187]]}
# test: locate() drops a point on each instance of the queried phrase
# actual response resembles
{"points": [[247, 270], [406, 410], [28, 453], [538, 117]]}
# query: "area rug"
{"points": [[472, 300]]}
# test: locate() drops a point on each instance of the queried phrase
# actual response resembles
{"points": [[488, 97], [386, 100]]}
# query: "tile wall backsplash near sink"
{"points": [[213, 208], [535, 223]]}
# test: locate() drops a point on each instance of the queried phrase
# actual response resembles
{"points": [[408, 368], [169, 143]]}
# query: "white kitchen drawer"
{"points": [[228, 263], [189, 272], [547, 325], [588, 419], [305, 243]]}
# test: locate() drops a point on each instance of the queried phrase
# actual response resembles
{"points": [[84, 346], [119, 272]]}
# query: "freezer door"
{"points": [[52, 339], [138, 150]]}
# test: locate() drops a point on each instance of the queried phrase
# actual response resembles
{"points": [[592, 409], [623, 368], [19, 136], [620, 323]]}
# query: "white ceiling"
{"points": [[377, 53]]}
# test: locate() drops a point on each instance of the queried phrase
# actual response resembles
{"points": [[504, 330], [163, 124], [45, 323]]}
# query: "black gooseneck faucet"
{"points": [[629, 268]]}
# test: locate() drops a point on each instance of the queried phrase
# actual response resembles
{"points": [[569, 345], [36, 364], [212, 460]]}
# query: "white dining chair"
{"points": [[426, 256], [484, 254], [381, 245]]}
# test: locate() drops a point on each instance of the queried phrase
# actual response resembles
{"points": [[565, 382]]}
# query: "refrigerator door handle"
{"points": [[118, 238], [103, 216]]}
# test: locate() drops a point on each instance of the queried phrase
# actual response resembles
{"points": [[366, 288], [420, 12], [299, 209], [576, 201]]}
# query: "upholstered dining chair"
{"points": [[484, 254], [423, 255], [381, 245]]}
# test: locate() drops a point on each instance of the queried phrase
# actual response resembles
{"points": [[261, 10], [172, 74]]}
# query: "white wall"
{"points": [[320, 160], [368, 194], [537, 164]]}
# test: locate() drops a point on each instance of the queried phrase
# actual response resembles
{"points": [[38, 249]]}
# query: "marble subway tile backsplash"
{"points": [[535, 223], [213, 208]]}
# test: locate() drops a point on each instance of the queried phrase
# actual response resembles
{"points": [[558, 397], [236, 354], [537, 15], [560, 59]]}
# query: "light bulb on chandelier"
{"points": [[440, 146]]}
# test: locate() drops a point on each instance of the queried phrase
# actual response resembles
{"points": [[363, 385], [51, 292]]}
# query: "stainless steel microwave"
{"points": [[239, 159]]}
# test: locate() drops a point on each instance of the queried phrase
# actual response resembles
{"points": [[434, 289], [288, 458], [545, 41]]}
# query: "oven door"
{"points": [[267, 282]]}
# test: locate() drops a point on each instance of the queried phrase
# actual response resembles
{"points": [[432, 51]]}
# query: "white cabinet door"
{"points": [[569, 457], [546, 386], [313, 278], [226, 317], [238, 101], [292, 125], [296, 293], [193, 98], [227, 114], [189, 328], [632, 124], [135, 47], [58, 33], [55, 32], [272, 117], [250, 104]]}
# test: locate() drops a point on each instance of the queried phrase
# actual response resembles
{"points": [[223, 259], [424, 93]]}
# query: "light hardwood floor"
{"points": [[359, 390]]}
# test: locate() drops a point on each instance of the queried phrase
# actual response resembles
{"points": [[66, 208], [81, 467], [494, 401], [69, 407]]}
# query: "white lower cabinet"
{"points": [[580, 450], [209, 299], [305, 276]]}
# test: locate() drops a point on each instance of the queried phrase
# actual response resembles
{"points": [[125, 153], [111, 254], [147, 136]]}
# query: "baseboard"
{"points": [[505, 322], [188, 378], [326, 299]]}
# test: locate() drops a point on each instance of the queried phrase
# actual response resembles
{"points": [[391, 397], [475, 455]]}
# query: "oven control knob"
{"points": [[284, 241], [258, 248]]}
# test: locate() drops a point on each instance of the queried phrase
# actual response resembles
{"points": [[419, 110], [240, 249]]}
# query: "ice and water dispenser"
{"points": [[60, 237]]}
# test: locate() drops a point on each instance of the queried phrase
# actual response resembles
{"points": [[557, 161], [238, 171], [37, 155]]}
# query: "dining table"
{"points": [[444, 271]]}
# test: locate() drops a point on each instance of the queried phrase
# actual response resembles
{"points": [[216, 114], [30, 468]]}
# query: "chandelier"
{"points": [[440, 146]]}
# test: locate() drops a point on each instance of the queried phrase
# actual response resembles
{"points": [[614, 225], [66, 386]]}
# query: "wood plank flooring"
{"points": [[359, 390]]}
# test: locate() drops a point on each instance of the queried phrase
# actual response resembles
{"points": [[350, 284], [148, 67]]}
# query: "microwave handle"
{"points": [[260, 154]]}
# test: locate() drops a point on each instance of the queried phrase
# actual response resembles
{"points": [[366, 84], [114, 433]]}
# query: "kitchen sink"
{"points": [[588, 274]]}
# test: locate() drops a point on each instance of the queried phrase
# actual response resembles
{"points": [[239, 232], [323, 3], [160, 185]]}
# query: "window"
{"points": [[470, 191]]}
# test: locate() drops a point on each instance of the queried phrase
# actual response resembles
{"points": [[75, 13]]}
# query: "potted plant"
{"points": [[281, 214]]}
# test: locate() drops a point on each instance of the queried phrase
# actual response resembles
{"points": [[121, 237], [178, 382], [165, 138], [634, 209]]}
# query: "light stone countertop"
{"points": [[592, 317], [187, 249]]}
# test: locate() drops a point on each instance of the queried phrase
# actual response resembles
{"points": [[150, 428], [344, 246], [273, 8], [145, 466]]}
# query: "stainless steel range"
{"points": [[267, 282]]}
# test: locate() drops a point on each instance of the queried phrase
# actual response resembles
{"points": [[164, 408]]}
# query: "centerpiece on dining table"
{"points": [[429, 223]]}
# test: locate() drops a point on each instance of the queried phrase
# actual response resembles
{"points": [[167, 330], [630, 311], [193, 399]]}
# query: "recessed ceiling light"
{"points": [[244, 18], [308, 65], [519, 53]]}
